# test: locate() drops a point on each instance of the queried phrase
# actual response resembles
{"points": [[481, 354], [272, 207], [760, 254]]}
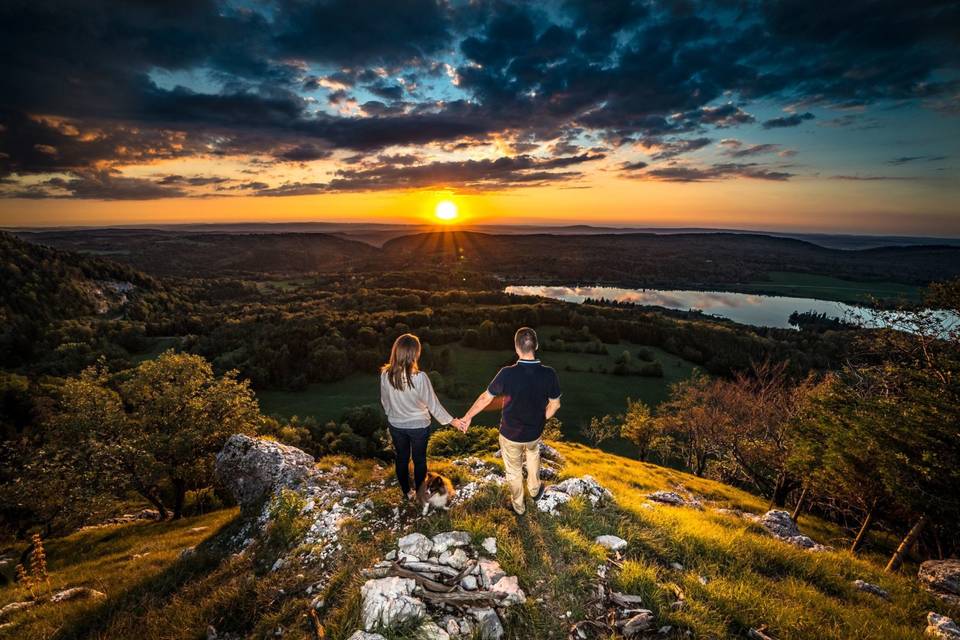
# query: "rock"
{"points": [[449, 540], [363, 635], [416, 544], [489, 626], [942, 627], [489, 546], [469, 583], [254, 469], [676, 566], [77, 593], [861, 585], [638, 624], [490, 572], [389, 601], [510, 588], [667, 497], [941, 576], [431, 631], [549, 453], [13, 607], [780, 525], [611, 543], [557, 494], [457, 558]]}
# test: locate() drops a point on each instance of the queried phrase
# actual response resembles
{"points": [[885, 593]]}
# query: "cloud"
{"points": [[486, 174], [99, 185], [304, 153], [793, 120], [736, 149], [671, 148], [907, 159], [719, 171]]}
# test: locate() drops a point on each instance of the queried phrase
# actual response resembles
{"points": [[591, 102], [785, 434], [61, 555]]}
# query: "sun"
{"points": [[446, 211]]}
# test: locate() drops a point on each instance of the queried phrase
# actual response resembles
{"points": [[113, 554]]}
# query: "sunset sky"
{"points": [[799, 115]]}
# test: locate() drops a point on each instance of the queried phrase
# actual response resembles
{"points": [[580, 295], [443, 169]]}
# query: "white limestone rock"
{"points": [[488, 623], [489, 546], [389, 601], [450, 540], [611, 543], [510, 589], [416, 545], [942, 627]]}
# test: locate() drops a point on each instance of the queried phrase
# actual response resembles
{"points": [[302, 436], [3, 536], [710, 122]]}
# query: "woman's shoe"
{"points": [[411, 495]]}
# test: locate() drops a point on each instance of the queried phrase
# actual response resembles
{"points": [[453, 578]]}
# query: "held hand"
{"points": [[458, 424], [466, 423]]}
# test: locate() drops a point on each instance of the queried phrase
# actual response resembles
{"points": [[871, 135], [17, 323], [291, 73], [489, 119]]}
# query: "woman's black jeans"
{"points": [[407, 442]]}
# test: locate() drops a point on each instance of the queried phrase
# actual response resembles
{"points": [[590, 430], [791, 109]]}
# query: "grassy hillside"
{"points": [[733, 577]]}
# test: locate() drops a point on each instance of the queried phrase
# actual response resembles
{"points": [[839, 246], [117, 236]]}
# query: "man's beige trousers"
{"points": [[513, 454]]}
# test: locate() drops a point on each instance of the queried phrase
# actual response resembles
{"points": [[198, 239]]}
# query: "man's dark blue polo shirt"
{"points": [[525, 387]]}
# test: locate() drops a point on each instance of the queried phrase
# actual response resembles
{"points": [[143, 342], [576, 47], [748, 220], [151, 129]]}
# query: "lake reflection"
{"points": [[745, 308]]}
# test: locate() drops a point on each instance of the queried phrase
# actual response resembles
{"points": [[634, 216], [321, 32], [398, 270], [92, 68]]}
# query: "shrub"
{"points": [[451, 443]]}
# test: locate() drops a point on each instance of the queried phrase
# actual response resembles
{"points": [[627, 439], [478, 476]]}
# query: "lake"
{"points": [[745, 308]]}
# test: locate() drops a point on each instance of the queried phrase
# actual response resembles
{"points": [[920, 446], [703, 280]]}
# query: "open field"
{"points": [[585, 394], [804, 285]]}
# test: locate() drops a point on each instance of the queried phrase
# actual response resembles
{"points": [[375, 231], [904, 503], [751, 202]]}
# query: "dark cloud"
{"points": [[193, 181], [737, 149], [104, 184], [869, 178], [304, 153], [672, 148], [105, 75], [908, 159], [634, 166], [719, 171], [467, 174], [793, 120]]}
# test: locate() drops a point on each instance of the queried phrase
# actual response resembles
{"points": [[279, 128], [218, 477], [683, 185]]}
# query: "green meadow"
{"points": [[805, 285], [585, 393]]}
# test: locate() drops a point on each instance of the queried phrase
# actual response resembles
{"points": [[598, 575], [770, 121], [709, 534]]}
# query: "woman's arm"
{"points": [[385, 393], [429, 398]]}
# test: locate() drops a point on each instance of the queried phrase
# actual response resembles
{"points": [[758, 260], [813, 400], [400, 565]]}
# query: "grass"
{"points": [[733, 576], [804, 285], [585, 394]]}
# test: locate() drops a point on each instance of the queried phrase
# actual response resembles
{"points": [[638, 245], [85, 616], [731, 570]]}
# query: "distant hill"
{"points": [[643, 259], [213, 254]]}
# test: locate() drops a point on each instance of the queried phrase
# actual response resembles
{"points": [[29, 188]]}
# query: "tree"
{"points": [[156, 435], [694, 417], [182, 414], [639, 427]]}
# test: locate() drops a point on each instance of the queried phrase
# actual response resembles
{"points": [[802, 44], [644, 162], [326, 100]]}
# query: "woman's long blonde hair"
{"points": [[403, 361]]}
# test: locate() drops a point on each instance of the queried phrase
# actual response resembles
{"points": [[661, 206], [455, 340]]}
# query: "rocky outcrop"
{"points": [[866, 587], [942, 578], [254, 469], [446, 584], [781, 526], [942, 627], [77, 593], [611, 543], [558, 494]]}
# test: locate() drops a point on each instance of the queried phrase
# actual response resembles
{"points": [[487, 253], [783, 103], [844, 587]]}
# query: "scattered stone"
{"points": [[457, 558], [13, 607], [450, 540], [77, 593], [510, 588], [861, 585], [363, 635], [469, 583], [942, 627], [549, 453], [638, 624], [611, 543], [253, 469], [489, 545], [780, 525], [488, 623], [490, 572], [416, 544], [431, 631], [942, 578], [561, 493], [667, 497], [389, 601], [676, 566]]}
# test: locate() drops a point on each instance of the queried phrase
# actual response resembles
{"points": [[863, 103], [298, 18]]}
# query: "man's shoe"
{"points": [[539, 495]]}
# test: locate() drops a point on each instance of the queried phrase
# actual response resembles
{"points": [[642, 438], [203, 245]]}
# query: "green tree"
{"points": [[639, 427]]}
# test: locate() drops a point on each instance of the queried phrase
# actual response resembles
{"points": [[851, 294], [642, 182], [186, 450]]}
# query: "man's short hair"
{"points": [[526, 340]]}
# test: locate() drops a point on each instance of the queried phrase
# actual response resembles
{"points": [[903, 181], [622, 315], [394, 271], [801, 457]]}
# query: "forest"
{"points": [[147, 374]]}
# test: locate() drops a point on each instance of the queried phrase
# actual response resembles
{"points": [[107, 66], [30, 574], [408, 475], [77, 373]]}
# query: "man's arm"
{"points": [[479, 405], [552, 405]]}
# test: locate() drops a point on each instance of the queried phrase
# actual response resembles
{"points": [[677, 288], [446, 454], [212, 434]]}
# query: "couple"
{"points": [[530, 392]]}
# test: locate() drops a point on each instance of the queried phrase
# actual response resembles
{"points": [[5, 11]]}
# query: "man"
{"points": [[531, 395]]}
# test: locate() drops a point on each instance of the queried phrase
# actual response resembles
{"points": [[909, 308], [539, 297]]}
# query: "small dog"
{"points": [[436, 491]]}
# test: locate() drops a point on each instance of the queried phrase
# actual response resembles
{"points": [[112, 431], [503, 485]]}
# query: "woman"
{"points": [[409, 400]]}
